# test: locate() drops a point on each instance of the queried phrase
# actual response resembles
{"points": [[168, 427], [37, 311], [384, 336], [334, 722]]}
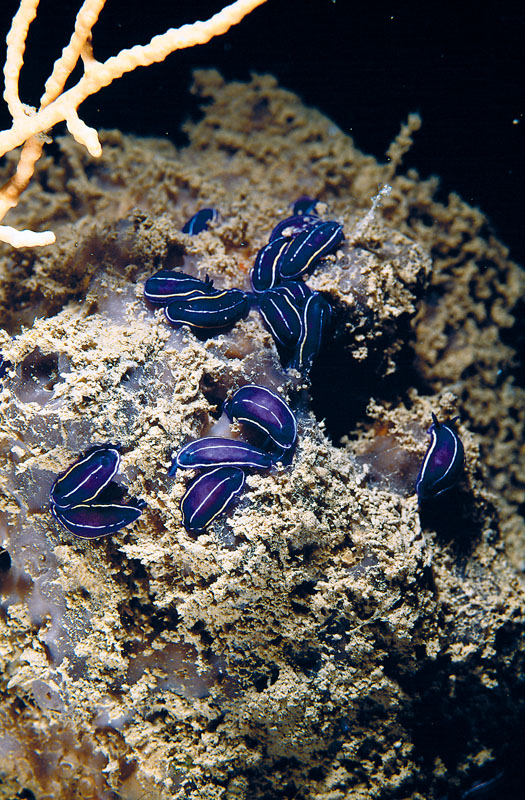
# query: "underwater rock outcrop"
{"points": [[328, 638]]}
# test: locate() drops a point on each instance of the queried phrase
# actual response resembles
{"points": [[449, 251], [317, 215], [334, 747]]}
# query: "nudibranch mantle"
{"points": [[443, 462]]}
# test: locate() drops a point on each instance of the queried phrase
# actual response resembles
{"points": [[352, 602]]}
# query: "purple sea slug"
{"points": [[443, 463], [214, 451], [209, 313], [209, 495], [199, 222], [167, 285], [261, 408], [85, 500]]}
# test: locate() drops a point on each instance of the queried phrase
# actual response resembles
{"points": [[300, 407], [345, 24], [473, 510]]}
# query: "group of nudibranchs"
{"points": [[223, 462], [297, 317], [87, 502]]}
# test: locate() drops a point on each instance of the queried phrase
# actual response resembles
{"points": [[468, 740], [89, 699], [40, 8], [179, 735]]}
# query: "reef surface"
{"points": [[328, 639]]}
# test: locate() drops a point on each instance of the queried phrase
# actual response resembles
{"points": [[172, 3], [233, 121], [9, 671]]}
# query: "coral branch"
{"points": [[16, 45], [59, 106], [64, 66]]}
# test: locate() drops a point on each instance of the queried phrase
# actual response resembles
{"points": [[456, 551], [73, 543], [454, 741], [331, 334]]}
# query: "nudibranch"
{"points": [[305, 205], [281, 316], [86, 501], [315, 321], [86, 478], [261, 408], [166, 285], [209, 495], [225, 461], [443, 463], [265, 271], [90, 520], [293, 226], [308, 247], [199, 221], [209, 313], [214, 451]]}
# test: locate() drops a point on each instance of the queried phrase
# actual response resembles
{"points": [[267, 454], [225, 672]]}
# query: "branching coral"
{"points": [[56, 105]]}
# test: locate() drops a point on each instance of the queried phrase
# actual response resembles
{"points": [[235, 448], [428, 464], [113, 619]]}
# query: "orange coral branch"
{"points": [[59, 106]]}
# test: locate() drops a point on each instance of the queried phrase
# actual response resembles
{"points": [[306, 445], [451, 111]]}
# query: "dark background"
{"points": [[366, 66]]}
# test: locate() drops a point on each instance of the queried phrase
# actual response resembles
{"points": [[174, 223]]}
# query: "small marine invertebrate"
{"points": [[261, 408], [443, 462], [308, 247], [282, 316], [165, 286], [265, 271], [5, 560], [86, 478], [315, 321], [305, 205], [86, 501], [294, 225], [209, 495], [214, 451], [209, 313], [199, 221], [90, 520]]}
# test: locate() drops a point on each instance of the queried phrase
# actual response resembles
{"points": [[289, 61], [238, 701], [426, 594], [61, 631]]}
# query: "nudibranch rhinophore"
{"points": [[443, 463], [86, 501]]}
